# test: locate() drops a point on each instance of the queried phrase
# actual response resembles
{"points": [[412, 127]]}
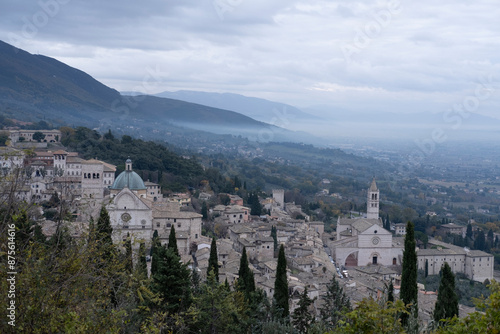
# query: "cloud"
{"points": [[290, 51]]}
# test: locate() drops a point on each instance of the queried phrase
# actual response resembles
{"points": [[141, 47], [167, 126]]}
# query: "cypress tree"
{"points": [[103, 234], [468, 234], [142, 264], [172, 241], [104, 229], [91, 236], [280, 296], [213, 261], [480, 241], [155, 252], [335, 303], [129, 266], [204, 211], [38, 235], [447, 301], [426, 268], [274, 235], [409, 289], [302, 317], [172, 281], [255, 206], [490, 237], [246, 282], [390, 294]]}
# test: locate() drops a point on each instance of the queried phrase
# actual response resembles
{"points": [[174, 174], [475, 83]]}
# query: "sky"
{"points": [[367, 56]]}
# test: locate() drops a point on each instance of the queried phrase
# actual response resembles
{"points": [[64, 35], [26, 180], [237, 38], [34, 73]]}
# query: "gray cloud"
{"points": [[405, 56]]}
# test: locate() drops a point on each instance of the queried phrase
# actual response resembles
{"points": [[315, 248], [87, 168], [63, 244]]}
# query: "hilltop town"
{"points": [[363, 253]]}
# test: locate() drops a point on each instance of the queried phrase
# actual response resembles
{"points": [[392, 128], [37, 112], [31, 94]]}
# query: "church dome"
{"points": [[129, 179]]}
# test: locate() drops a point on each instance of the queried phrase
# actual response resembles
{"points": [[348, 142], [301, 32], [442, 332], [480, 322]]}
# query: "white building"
{"points": [[139, 210], [363, 241], [475, 264]]}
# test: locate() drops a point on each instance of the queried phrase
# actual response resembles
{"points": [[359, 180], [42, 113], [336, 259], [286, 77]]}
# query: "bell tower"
{"points": [[373, 201]]}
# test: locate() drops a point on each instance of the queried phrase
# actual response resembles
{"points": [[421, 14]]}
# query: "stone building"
{"points": [[140, 209], [363, 241], [476, 265]]}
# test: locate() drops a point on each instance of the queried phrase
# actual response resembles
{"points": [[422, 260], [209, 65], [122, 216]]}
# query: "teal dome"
{"points": [[129, 179]]}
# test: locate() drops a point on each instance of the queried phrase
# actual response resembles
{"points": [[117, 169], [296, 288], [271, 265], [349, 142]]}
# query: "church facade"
{"points": [[137, 209], [363, 241]]}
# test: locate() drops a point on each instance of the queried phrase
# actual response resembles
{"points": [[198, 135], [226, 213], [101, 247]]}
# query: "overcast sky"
{"points": [[401, 56]]}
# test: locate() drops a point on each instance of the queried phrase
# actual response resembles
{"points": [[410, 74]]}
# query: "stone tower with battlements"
{"points": [[279, 197]]}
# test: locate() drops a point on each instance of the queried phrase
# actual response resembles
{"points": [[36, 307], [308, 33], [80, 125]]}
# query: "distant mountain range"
{"points": [[256, 108], [36, 87]]}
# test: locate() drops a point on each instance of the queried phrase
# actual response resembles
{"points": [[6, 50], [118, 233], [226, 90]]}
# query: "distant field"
{"points": [[441, 183], [459, 184]]}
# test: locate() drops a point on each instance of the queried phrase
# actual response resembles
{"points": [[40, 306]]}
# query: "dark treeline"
{"points": [[151, 160]]}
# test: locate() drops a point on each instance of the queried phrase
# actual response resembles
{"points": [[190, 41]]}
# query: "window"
{"points": [[374, 260]]}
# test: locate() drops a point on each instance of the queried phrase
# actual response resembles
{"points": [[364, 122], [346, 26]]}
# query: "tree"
{"points": [[246, 282], [370, 317], [109, 135], [172, 241], [468, 234], [155, 248], [274, 235], [390, 293], [485, 321], [4, 136], [409, 289], [225, 199], [302, 317], [280, 297], [255, 206], [104, 233], [142, 267], [204, 210], [480, 241], [172, 281], [38, 136], [216, 310], [447, 300], [335, 304], [213, 261], [128, 254], [426, 268]]}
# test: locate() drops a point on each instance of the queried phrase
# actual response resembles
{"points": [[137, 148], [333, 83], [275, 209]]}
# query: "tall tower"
{"points": [[279, 197], [372, 203]]}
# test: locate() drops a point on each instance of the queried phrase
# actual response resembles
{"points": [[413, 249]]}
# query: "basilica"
{"points": [[364, 241], [137, 208]]}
